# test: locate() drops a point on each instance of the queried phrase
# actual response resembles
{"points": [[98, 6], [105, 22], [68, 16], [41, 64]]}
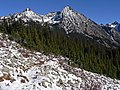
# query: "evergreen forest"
{"points": [[82, 52]]}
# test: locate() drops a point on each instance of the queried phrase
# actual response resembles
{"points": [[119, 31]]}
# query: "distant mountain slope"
{"points": [[113, 29], [22, 69], [114, 25]]}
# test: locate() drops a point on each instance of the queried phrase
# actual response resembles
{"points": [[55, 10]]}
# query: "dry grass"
{"points": [[5, 77]]}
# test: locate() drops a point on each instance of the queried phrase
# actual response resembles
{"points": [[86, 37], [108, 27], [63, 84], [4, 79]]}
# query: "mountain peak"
{"points": [[67, 8], [115, 23], [27, 16], [27, 9]]}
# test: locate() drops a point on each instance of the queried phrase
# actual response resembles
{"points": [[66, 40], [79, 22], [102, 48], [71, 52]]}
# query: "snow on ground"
{"points": [[22, 69]]}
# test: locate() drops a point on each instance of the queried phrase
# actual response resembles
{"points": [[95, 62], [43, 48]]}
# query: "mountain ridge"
{"points": [[71, 21]]}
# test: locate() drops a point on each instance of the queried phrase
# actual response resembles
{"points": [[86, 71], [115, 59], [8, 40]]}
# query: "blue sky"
{"points": [[100, 11]]}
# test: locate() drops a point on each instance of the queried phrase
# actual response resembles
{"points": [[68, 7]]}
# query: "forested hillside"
{"points": [[83, 51]]}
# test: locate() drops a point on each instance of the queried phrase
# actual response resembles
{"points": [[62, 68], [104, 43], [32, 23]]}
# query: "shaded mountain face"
{"points": [[113, 29], [115, 25], [72, 22]]}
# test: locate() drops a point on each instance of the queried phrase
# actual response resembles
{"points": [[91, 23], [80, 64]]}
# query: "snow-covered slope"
{"points": [[22, 69], [27, 16], [49, 16]]}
